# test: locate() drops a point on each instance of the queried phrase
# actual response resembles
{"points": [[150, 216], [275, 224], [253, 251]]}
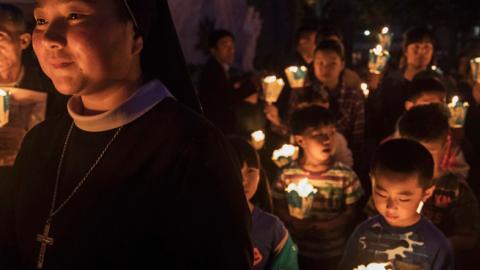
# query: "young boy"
{"points": [[320, 236], [429, 90], [453, 206], [401, 173]]}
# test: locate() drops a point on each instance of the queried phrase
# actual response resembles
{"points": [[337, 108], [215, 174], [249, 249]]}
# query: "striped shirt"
{"points": [[337, 188]]}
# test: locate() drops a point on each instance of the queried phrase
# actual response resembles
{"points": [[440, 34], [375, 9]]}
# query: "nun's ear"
{"points": [[137, 42]]}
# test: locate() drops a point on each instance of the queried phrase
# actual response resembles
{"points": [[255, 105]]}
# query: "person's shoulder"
{"points": [[177, 117], [267, 218], [433, 236], [368, 224]]}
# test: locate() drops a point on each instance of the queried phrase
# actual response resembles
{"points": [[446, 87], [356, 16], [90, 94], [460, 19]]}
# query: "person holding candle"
{"points": [[321, 234], [402, 181], [386, 103], [453, 206], [130, 178], [273, 246]]}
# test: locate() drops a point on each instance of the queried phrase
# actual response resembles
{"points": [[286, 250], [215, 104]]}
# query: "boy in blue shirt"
{"points": [[402, 181]]}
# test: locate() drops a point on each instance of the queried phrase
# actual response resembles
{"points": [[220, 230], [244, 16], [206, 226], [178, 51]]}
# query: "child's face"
{"points": [[327, 66], [317, 143], [397, 197], [250, 177], [437, 149], [426, 99]]}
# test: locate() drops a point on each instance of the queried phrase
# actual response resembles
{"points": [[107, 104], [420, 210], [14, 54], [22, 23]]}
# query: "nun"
{"points": [[132, 177]]}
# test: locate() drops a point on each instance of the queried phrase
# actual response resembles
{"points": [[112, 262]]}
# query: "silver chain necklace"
{"points": [[43, 238]]}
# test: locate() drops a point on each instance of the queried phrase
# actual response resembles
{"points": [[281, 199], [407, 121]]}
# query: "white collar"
{"points": [[143, 100]]}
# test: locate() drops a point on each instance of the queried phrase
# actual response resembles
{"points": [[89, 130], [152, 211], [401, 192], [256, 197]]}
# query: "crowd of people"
{"points": [[127, 173]]}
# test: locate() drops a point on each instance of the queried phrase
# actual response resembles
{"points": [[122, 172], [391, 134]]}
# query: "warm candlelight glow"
{"points": [[287, 150], [454, 100], [365, 90], [272, 87], [270, 79], [303, 188], [296, 76], [4, 107], [458, 112], [258, 135], [373, 266], [385, 30], [378, 50]]}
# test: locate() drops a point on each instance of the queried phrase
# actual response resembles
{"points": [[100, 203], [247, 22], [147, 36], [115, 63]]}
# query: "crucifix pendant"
{"points": [[44, 240]]}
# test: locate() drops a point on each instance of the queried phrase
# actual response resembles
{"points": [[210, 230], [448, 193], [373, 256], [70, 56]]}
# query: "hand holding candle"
{"points": [[272, 87], [378, 58], [300, 198], [458, 111], [4, 107], [296, 76]]}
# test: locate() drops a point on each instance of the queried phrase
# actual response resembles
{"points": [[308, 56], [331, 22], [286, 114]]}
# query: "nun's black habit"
{"points": [[165, 195]]}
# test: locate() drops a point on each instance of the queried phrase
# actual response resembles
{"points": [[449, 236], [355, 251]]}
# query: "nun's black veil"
{"points": [[162, 55]]}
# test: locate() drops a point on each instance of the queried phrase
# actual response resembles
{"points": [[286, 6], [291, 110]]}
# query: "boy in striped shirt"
{"points": [[322, 231]]}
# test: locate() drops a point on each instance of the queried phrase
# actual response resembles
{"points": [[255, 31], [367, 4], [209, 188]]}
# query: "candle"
{"points": [[272, 87], [300, 198], [285, 155], [458, 111], [385, 38], [373, 266], [258, 139], [378, 58], [364, 88], [4, 107], [296, 76], [475, 67]]}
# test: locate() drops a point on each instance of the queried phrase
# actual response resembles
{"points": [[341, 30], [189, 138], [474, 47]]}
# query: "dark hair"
{"points": [[417, 34], [331, 46], [13, 14], [245, 152], [421, 85], [304, 32], [405, 157], [216, 35], [424, 123], [327, 31], [312, 116]]}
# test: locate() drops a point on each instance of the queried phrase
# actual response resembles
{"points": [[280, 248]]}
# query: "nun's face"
{"points": [[83, 46]]}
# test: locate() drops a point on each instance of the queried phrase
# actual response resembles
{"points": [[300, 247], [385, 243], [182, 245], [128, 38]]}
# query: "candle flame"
{"points": [[385, 30], [365, 90], [270, 79], [303, 68], [373, 266], [476, 60], [378, 50], [3, 93], [258, 135], [293, 69], [455, 100], [303, 188], [287, 150], [434, 67]]}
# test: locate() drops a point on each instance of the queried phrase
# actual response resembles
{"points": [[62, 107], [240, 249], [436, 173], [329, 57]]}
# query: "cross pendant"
{"points": [[44, 240]]}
